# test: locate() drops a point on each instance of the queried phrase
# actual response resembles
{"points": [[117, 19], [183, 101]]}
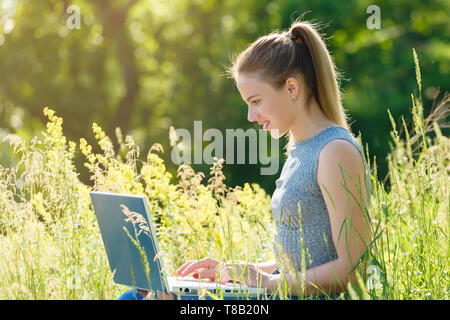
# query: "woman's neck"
{"points": [[310, 122]]}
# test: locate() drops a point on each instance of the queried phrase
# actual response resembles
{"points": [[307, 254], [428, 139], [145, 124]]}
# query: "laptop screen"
{"points": [[126, 261]]}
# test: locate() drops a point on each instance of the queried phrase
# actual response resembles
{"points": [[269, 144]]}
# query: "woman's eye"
{"points": [[254, 102]]}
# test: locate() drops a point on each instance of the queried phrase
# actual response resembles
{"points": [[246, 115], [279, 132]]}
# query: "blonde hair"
{"points": [[302, 52]]}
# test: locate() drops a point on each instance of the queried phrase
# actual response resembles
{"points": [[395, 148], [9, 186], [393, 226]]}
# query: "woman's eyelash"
{"points": [[255, 101]]}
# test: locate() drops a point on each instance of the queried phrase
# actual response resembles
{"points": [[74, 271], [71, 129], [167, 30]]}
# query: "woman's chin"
{"points": [[276, 133]]}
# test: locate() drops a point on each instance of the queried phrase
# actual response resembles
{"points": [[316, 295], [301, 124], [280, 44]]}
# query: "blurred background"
{"points": [[146, 65]]}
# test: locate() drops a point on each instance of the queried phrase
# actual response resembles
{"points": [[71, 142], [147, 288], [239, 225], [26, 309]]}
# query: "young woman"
{"points": [[289, 81]]}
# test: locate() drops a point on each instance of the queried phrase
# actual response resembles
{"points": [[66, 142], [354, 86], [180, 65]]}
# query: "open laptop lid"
{"points": [[123, 255]]}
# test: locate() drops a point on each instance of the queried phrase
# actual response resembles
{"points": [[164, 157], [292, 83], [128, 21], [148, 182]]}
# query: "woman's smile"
{"points": [[265, 123]]}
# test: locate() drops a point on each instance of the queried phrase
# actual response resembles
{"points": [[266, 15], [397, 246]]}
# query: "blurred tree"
{"points": [[146, 65]]}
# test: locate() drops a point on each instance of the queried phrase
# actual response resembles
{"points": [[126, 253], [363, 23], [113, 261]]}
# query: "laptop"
{"points": [[127, 263]]}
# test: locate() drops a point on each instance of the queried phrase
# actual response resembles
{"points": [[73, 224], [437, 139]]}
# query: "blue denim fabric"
{"points": [[132, 294]]}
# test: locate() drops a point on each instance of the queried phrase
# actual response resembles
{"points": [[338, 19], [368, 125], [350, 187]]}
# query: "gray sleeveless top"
{"points": [[298, 185]]}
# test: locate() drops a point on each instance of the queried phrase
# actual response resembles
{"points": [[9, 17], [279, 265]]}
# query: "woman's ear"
{"points": [[293, 87]]}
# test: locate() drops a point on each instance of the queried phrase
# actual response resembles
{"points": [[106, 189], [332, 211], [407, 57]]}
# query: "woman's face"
{"points": [[271, 108]]}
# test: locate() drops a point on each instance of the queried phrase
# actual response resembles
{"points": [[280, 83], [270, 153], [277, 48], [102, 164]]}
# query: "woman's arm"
{"points": [[346, 204], [267, 266], [330, 277]]}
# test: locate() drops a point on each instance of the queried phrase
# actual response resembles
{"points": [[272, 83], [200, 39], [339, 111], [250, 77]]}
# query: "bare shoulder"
{"points": [[338, 152]]}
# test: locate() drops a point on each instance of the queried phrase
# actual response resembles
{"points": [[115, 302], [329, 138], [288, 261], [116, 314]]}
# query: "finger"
{"points": [[188, 268], [195, 266], [191, 266], [207, 274], [183, 267], [209, 262], [225, 275], [234, 273], [230, 271], [222, 274]]}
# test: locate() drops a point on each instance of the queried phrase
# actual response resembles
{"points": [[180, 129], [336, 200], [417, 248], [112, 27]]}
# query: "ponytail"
{"points": [[326, 90]]}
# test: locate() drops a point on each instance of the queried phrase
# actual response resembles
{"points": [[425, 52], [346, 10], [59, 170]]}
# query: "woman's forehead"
{"points": [[247, 78], [250, 85]]}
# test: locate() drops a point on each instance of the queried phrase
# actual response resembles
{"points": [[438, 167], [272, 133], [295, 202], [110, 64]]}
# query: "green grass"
{"points": [[51, 247]]}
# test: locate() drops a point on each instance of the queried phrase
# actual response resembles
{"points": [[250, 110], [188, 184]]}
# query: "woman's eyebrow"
{"points": [[251, 97]]}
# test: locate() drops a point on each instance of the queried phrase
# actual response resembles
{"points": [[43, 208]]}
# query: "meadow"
{"points": [[51, 247]]}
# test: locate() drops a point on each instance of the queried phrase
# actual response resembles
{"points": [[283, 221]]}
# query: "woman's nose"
{"points": [[252, 115]]}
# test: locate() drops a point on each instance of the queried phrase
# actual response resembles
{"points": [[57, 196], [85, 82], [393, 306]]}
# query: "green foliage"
{"points": [[53, 249], [412, 220], [51, 239], [146, 65]]}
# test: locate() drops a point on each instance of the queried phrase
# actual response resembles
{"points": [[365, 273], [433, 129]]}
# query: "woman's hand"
{"points": [[247, 274], [212, 269], [195, 266]]}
